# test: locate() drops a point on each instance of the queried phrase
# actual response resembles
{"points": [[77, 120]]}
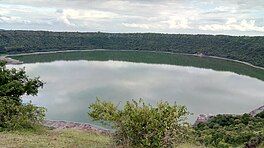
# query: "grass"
{"points": [[54, 138], [60, 138]]}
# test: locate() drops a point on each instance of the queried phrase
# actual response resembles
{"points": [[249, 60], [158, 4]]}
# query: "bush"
{"points": [[13, 113], [231, 131], [260, 115], [141, 125], [17, 116]]}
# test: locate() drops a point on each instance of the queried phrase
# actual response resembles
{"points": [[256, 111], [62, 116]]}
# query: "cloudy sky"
{"points": [[233, 17]]}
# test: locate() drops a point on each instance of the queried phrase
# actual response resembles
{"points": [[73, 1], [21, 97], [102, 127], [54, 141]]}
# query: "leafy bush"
{"points": [[13, 113], [141, 125], [16, 116], [260, 115], [231, 131]]}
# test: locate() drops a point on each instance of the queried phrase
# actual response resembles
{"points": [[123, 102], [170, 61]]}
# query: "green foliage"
{"points": [[260, 115], [18, 116], [13, 113], [231, 131], [141, 125], [248, 49], [15, 83]]}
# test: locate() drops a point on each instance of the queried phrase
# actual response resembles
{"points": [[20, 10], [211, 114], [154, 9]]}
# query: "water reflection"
{"points": [[72, 85]]}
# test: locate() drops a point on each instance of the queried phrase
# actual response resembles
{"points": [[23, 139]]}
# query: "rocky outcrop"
{"points": [[256, 111], [74, 125], [10, 60], [202, 118]]}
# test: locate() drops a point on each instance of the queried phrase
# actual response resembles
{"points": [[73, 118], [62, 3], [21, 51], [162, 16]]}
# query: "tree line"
{"points": [[243, 48]]}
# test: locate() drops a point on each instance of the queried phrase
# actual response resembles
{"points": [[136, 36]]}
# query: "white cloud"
{"points": [[4, 11], [142, 26], [8, 19], [231, 20], [178, 23], [66, 15], [167, 16], [233, 24], [88, 14], [171, 23], [65, 20], [226, 8]]}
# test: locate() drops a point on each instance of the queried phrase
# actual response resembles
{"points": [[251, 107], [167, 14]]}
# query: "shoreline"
{"points": [[87, 50], [62, 124]]}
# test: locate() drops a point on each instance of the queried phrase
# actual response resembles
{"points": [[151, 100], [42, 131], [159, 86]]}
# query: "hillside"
{"points": [[243, 48]]}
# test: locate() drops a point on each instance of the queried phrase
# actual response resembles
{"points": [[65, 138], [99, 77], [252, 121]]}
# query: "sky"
{"points": [[231, 17]]}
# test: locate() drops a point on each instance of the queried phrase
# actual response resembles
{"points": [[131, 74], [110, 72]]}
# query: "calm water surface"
{"points": [[72, 85]]}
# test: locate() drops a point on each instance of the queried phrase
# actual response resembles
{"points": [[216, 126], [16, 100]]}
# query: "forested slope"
{"points": [[244, 48]]}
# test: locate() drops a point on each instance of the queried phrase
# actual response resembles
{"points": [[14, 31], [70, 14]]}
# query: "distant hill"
{"points": [[243, 48]]}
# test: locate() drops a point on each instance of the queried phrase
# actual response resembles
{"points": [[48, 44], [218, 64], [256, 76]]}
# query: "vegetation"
{"points": [[136, 125], [141, 125], [60, 139], [232, 131], [54, 138], [248, 49], [13, 113], [147, 57]]}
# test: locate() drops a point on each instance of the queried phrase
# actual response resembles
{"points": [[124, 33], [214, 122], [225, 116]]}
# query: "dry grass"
{"points": [[60, 138], [54, 138]]}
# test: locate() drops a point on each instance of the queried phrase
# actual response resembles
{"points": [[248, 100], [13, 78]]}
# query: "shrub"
{"points": [[13, 113], [260, 115], [141, 125], [14, 116], [231, 131]]}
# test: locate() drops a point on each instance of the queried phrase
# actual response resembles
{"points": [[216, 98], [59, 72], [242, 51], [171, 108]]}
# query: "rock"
{"points": [[74, 125], [202, 118], [10, 60], [256, 111]]}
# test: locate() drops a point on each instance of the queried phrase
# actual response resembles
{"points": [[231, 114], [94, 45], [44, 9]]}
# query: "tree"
{"points": [[13, 112], [141, 125]]}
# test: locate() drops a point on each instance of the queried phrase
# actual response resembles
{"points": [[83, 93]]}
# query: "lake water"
{"points": [[72, 85]]}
